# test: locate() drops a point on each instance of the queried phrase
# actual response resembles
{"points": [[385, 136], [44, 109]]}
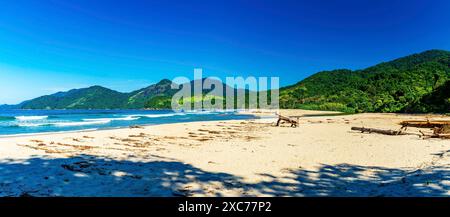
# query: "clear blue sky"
{"points": [[52, 45]]}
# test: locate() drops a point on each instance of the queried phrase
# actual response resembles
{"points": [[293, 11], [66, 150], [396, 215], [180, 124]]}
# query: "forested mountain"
{"points": [[416, 83], [95, 97], [436, 101], [156, 96]]}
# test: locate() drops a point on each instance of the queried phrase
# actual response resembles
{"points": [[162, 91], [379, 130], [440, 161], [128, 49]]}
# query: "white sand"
{"points": [[321, 157]]}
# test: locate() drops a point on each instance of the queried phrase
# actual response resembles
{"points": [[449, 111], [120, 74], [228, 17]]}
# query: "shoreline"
{"points": [[114, 127], [101, 129], [257, 114], [321, 157]]}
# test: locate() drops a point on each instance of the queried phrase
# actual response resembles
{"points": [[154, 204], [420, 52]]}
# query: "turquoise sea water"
{"points": [[40, 121]]}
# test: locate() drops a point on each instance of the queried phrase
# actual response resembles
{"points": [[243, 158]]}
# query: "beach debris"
{"points": [[129, 140], [203, 139], [136, 127], [209, 131], [283, 119], [441, 129], [77, 147], [435, 135], [140, 135], [424, 124], [381, 131], [77, 166]]}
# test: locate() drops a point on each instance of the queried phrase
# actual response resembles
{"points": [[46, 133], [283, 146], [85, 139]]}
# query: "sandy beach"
{"points": [[321, 157]]}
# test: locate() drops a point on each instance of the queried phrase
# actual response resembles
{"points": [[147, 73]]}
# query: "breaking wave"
{"points": [[30, 118]]}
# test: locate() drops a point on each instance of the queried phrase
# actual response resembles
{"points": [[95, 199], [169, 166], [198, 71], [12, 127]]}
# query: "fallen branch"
{"points": [[294, 123], [441, 129], [435, 135], [384, 132]]}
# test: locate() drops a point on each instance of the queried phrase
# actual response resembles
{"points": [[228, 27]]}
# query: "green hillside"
{"points": [[162, 98], [95, 97], [436, 101], [408, 84], [156, 96], [416, 83]]}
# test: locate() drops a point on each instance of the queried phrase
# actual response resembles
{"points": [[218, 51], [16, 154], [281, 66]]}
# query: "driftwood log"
{"points": [[384, 132], [379, 131], [294, 123], [402, 132], [435, 135], [441, 129], [444, 129], [441, 136], [424, 124]]}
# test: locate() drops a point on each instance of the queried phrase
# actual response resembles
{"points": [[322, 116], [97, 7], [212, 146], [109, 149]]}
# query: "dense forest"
{"points": [[418, 83], [97, 97]]}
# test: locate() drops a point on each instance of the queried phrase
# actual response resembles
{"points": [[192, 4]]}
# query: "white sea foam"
{"points": [[80, 123], [63, 124], [206, 112], [32, 124], [127, 118], [157, 115], [30, 118]]}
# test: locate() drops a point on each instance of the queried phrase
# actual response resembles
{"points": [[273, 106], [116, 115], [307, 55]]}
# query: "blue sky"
{"points": [[53, 45]]}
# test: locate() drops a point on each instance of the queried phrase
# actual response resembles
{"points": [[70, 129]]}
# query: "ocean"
{"points": [[14, 122]]}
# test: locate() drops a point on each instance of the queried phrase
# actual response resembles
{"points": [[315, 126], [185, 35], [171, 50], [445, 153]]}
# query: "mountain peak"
{"points": [[164, 82], [436, 51], [429, 54], [96, 87]]}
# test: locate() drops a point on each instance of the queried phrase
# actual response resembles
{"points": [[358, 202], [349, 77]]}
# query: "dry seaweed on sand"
{"points": [[136, 127]]}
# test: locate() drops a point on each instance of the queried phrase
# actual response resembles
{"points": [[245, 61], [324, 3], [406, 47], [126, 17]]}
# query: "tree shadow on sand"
{"points": [[356, 181], [87, 175]]}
